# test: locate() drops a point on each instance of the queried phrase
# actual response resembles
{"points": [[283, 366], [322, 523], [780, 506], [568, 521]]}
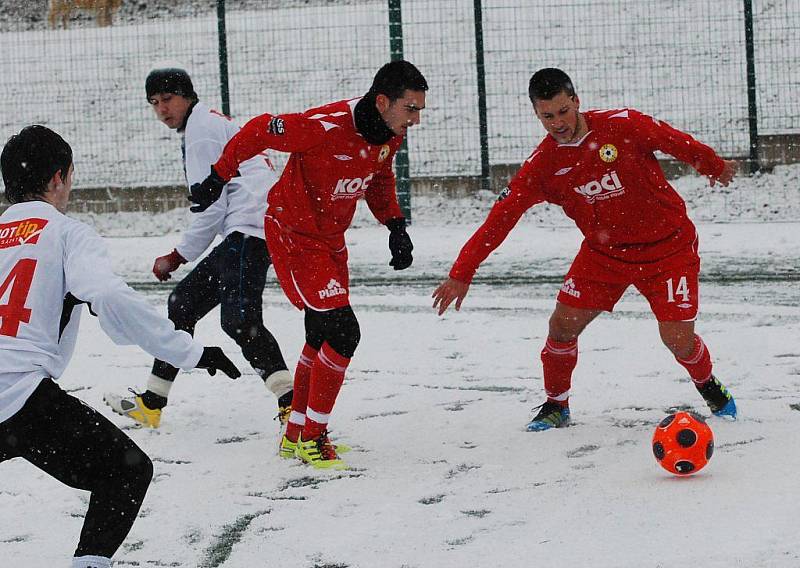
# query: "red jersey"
{"points": [[330, 168], [610, 183]]}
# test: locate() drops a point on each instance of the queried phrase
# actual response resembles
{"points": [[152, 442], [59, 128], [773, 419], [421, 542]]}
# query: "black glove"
{"points": [[213, 358], [400, 244], [206, 192]]}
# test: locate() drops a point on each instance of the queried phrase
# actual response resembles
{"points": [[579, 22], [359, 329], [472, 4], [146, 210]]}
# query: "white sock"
{"points": [[91, 562], [159, 386], [279, 382]]}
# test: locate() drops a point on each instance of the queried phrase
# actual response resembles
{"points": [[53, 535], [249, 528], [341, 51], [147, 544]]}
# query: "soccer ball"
{"points": [[683, 443]]}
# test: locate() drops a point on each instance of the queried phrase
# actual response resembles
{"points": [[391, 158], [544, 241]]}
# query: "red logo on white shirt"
{"points": [[24, 232]]}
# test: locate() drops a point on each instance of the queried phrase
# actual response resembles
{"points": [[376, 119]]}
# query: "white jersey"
{"points": [[243, 202], [48, 264]]}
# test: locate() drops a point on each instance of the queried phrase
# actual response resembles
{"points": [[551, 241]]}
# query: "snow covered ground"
{"points": [[442, 472]]}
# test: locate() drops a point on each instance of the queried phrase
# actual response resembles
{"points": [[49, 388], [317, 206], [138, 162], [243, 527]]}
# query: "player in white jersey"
{"points": [[233, 274], [49, 266]]}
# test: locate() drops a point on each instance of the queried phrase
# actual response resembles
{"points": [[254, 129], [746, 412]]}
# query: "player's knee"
{"points": [[678, 346], [138, 469], [240, 330], [315, 340], [179, 309], [315, 328], [343, 332], [561, 329], [678, 340], [128, 470], [138, 463]]}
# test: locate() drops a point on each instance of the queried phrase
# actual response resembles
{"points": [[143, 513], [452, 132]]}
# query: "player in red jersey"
{"points": [[599, 166], [340, 153]]}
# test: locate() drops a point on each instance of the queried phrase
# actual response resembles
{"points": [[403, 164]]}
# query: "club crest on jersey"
{"points": [[608, 153], [384, 153], [351, 188], [276, 126], [606, 187], [25, 232], [503, 194], [332, 289]]}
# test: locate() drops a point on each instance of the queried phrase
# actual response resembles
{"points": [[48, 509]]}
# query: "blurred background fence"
{"points": [[724, 70]]}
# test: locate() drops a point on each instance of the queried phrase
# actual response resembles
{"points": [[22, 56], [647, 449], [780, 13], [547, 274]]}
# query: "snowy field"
{"points": [[442, 473]]}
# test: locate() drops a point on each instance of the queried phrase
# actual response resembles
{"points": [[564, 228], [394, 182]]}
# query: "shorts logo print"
{"points": [[569, 288], [332, 289]]}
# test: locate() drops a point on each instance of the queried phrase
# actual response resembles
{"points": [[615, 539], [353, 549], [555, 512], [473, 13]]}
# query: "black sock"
{"points": [[284, 400], [153, 401]]}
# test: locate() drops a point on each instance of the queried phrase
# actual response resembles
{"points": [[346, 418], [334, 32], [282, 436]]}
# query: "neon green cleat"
{"points": [[319, 453], [133, 407], [342, 448], [287, 448]]}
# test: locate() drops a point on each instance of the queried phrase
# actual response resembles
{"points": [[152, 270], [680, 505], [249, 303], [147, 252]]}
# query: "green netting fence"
{"points": [[724, 70]]}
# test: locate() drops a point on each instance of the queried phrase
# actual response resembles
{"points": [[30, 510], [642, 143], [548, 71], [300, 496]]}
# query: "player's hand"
{"points": [[400, 244], [449, 290], [214, 359], [206, 192], [165, 265], [726, 176]]}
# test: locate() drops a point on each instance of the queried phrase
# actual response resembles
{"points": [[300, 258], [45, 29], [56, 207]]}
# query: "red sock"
{"points": [[327, 376], [302, 378], [698, 363], [558, 361]]}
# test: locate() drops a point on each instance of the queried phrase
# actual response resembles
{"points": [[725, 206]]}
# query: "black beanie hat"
{"points": [[169, 80]]}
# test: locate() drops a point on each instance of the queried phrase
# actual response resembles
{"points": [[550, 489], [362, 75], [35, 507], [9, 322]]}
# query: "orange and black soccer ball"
{"points": [[683, 443]]}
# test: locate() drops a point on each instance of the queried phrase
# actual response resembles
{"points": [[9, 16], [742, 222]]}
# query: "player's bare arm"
{"points": [[449, 290]]}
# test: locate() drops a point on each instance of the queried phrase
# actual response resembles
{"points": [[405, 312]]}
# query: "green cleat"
{"points": [[319, 453], [287, 448]]}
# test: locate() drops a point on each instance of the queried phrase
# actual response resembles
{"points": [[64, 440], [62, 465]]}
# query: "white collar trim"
{"points": [[577, 143]]}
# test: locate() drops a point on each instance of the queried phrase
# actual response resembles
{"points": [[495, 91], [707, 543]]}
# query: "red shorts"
{"points": [[670, 286], [310, 273]]}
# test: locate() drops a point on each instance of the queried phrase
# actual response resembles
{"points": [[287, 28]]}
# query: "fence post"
{"points": [[486, 178], [401, 161], [223, 58], [752, 103]]}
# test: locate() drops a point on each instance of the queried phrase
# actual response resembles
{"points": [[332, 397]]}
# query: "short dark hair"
{"points": [[169, 80], [547, 83], [29, 161], [394, 78]]}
